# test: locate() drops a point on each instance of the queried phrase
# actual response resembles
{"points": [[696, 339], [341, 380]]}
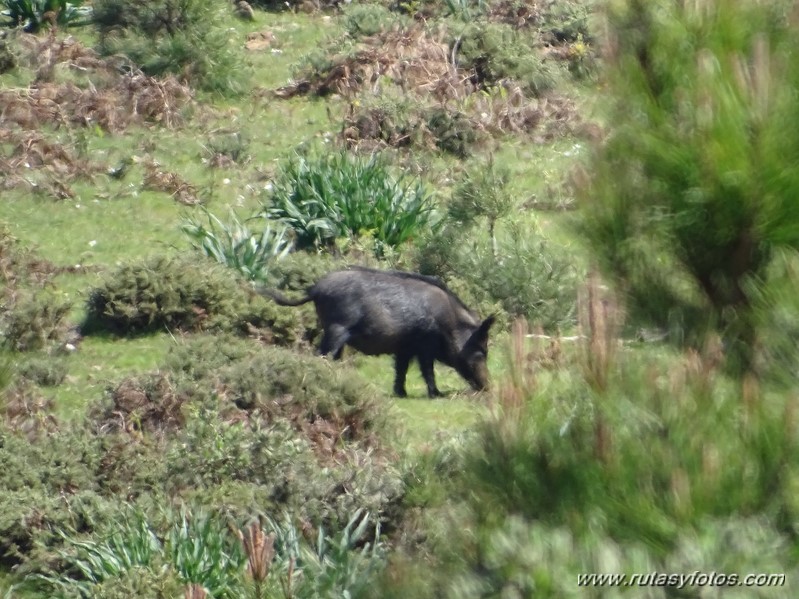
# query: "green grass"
{"points": [[100, 363]]}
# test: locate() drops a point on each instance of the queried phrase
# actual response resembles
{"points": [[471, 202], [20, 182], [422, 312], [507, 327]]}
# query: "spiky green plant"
{"points": [[325, 196], [133, 543], [697, 184], [340, 565], [32, 15], [203, 551], [234, 244]]}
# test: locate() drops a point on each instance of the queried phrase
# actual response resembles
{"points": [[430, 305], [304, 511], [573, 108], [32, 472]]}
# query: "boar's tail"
{"points": [[282, 300]]}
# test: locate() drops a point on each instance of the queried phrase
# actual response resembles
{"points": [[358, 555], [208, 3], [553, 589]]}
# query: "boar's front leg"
{"points": [[426, 362], [401, 363]]}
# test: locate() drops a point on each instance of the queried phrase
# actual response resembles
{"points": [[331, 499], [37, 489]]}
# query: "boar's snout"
{"points": [[478, 376]]}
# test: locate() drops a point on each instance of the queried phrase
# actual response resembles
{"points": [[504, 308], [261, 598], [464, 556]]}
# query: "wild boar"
{"points": [[400, 313]]}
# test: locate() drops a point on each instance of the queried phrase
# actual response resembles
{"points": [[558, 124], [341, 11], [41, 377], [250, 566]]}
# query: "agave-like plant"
{"points": [[32, 15], [239, 247], [329, 196]]}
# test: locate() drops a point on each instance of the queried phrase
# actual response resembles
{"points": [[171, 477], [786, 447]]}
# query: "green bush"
{"points": [[162, 293], [666, 463], [228, 147], [566, 21], [370, 19], [522, 272], [300, 270], [34, 320], [179, 37], [210, 451], [47, 484], [493, 51], [453, 132], [184, 294], [45, 371], [323, 197]]}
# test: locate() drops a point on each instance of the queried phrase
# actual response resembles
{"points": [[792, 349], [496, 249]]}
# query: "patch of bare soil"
{"points": [[181, 190]]}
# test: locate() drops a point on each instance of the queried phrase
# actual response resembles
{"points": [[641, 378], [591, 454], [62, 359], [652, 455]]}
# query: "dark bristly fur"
{"points": [[405, 314]]}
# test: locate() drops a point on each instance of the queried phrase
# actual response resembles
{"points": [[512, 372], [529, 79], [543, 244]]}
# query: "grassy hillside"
{"points": [[167, 432]]}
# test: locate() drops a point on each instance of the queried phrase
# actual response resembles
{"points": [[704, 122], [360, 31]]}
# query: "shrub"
{"points": [[666, 462], [566, 21], [228, 148], [466, 10], [46, 371], [46, 485], [300, 270], [211, 450], [180, 37], [370, 19], [183, 294], [236, 246], [493, 52], [162, 292], [482, 193], [34, 320], [453, 132], [524, 273], [335, 195]]}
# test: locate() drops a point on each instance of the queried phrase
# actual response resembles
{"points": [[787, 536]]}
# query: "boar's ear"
{"points": [[486, 324], [480, 335]]}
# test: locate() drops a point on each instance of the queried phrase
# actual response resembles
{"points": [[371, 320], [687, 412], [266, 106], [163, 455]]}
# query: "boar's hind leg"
{"points": [[426, 361], [334, 339], [401, 363]]}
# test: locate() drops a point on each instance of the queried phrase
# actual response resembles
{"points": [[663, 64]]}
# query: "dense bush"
{"points": [[180, 37], [306, 443], [33, 321], [370, 19], [46, 371], [493, 52], [323, 197], [453, 132], [635, 462], [184, 294], [299, 270]]}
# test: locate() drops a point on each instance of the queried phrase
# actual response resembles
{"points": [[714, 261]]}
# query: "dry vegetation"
{"points": [[117, 96], [419, 64]]}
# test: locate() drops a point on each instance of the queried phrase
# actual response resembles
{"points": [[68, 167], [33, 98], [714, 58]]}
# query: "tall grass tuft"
{"points": [[133, 543], [203, 552], [324, 197], [234, 244]]}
